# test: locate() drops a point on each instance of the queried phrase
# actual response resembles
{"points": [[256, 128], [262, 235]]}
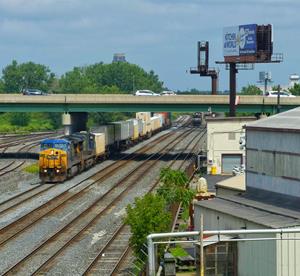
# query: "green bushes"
{"points": [[25, 122], [150, 214]]}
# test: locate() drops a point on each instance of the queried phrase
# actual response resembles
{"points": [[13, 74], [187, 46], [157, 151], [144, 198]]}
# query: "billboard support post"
{"points": [[232, 88]]}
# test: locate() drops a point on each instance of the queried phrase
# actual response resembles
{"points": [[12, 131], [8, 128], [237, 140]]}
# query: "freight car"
{"points": [[61, 159]]}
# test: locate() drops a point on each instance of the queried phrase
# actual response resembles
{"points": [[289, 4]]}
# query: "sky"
{"points": [[159, 35]]}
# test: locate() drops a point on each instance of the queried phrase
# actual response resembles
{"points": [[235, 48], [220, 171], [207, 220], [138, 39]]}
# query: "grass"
{"points": [[178, 251], [33, 168]]}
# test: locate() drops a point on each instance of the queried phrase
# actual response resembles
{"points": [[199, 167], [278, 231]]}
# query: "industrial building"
{"points": [[119, 57], [271, 200], [223, 147]]}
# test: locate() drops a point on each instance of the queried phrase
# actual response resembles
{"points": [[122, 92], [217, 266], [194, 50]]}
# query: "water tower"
{"points": [[294, 79]]}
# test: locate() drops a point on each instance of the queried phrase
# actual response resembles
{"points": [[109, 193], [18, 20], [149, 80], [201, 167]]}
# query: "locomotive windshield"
{"points": [[55, 145]]}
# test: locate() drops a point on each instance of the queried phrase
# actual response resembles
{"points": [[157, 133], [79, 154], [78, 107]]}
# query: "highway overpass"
{"points": [[130, 103]]}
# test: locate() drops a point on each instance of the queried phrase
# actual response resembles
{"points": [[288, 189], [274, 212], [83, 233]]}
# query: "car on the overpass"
{"points": [[145, 93], [33, 92], [281, 94], [168, 93]]}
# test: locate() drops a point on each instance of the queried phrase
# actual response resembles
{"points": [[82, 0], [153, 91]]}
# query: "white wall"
{"points": [[218, 142]]}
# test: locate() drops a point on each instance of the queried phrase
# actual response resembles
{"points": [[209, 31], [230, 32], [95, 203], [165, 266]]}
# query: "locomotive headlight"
{"points": [[57, 171], [45, 171]]}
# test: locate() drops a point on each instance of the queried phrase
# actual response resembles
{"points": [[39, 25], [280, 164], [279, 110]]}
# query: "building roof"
{"points": [[262, 207], [253, 214], [239, 119], [237, 183], [286, 121]]}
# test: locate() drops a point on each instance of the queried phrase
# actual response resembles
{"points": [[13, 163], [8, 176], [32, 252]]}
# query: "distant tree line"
{"points": [[254, 90], [116, 77]]}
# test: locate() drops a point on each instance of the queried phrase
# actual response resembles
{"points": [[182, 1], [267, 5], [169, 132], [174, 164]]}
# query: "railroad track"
{"points": [[14, 202], [87, 215], [40, 189], [14, 164], [15, 140]]}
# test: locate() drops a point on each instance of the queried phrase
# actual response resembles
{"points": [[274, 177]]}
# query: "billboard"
{"points": [[240, 40]]}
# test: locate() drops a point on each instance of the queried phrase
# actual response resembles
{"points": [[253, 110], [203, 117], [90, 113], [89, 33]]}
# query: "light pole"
{"points": [[133, 84]]}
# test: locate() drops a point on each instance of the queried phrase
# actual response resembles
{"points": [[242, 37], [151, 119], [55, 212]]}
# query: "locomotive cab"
{"points": [[53, 160]]}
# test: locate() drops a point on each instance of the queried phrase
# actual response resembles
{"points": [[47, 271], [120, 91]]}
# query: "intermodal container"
{"points": [[121, 130]]}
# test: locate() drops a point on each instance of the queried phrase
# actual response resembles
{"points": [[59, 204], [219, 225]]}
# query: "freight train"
{"points": [[60, 159], [197, 119]]}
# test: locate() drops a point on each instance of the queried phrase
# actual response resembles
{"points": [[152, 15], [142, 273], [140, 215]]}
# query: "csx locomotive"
{"points": [[61, 159]]}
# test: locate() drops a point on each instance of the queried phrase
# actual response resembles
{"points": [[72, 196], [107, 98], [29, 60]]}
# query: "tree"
{"points": [[147, 215], [174, 188], [295, 90], [2, 86], [26, 75], [74, 81], [251, 90], [19, 119], [116, 77]]}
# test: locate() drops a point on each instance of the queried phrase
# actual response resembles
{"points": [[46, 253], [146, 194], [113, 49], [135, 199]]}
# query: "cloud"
{"points": [[154, 33]]}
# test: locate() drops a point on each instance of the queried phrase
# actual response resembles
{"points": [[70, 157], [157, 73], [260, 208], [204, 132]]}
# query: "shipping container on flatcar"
{"points": [[99, 140], [155, 124], [121, 131], [135, 134], [166, 118], [145, 116], [130, 128], [109, 132], [141, 128]]}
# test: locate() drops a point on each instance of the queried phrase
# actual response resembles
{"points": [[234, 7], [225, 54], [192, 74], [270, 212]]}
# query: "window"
{"points": [[231, 136]]}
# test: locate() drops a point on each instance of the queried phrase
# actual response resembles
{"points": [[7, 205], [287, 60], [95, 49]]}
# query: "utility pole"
{"points": [[232, 86], [133, 84], [201, 247], [278, 98]]}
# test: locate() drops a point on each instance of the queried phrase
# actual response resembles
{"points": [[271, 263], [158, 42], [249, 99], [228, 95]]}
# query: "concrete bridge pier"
{"points": [[74, 122]]}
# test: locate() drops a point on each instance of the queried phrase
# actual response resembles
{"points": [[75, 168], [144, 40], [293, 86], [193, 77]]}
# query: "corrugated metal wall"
{"points": [[273, 161], [288, 255]]}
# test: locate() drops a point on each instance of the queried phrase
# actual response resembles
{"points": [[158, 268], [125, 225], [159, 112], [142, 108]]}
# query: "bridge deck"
{"points": [[123, 103]]}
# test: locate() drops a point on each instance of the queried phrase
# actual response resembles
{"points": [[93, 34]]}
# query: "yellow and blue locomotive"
{"points": [[62, 158]]}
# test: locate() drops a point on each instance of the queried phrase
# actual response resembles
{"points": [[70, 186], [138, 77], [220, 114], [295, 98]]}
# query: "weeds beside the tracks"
{"points": [[33, 168]]}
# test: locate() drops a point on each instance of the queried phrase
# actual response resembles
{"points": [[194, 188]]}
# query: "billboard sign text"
{"points": [[240, 40]]}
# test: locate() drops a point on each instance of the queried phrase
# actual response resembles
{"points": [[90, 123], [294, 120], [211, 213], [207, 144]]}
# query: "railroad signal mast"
{"points": [[265, 78], [202, 66], [243, 46]]}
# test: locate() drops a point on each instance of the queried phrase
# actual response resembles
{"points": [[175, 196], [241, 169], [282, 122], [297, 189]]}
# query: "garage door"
{"points": [[229, 161]]}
